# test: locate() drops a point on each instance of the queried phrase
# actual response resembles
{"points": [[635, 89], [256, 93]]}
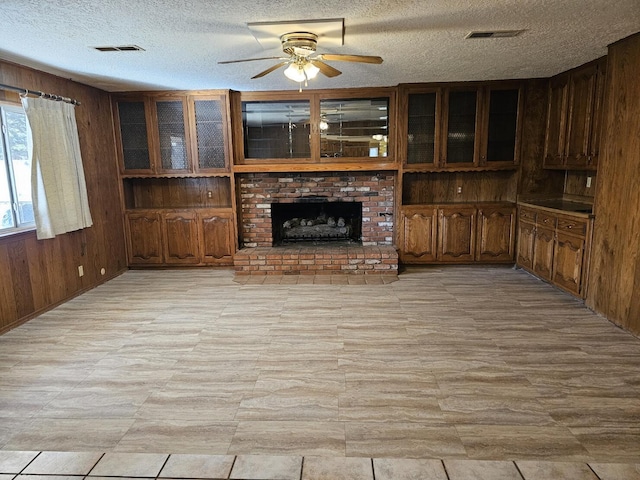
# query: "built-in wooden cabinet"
{"points": [[179, 220], [181, 240], [555, 247], [543, 251], [287, 131], [460, 127], [172, 134], [177, 186], [496, 233], [574, 114], [420, 234], [458, 233], [180, 237], [526, 239], [216, 235], [570, 259], [144, 238]]}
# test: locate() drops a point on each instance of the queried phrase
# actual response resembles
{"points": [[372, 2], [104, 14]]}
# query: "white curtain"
{"points": [[58, 187]]}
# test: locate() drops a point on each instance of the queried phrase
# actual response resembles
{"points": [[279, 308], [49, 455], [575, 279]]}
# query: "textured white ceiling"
{"points": [[419, 40]]}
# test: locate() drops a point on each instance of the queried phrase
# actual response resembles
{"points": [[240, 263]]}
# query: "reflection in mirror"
{"points": [[354, 127], [276, 129]]}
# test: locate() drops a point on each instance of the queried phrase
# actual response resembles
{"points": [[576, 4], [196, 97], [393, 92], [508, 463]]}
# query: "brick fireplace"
{"points": [[371, 252]]}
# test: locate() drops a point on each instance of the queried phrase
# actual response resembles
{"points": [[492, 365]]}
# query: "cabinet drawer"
{"points": [[527, 215], [576, 226], [546, 220]]}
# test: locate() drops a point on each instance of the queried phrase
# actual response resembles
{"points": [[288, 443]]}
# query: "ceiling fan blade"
{"points": [[350, 58], [269, 70], [325, 69], [250, 60]]}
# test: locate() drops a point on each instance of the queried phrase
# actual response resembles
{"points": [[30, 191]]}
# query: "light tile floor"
{"points": [[74, 466], [466, 372]]}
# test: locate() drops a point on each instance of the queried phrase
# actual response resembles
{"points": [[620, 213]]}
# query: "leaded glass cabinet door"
{"points": [[133, 136], [173, 139], [460, 133], [421, 139], [502, 127], [210, 145]]}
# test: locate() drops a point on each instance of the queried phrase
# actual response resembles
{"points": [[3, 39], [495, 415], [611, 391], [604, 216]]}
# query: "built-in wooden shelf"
{"points": [[315, 167]]}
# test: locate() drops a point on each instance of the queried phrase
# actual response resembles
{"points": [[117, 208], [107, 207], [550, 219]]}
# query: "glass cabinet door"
{"points": [[502, 126], [421, 128], [133, 134], [354, 127], [276, 129], [461, 127], [210, 134], [174, 155]]}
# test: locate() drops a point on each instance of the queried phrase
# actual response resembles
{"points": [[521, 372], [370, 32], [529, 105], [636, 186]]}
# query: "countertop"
{"points": [[560, 205]]}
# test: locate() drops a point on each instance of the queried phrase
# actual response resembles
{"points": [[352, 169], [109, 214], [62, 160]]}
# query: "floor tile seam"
{"points": [[125, 433], [594, 472]]}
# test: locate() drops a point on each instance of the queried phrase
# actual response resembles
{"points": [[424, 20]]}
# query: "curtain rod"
{"points": [[48, 96]]}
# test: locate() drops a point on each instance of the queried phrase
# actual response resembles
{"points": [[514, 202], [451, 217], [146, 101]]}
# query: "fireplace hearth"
{"points": [[316, 221]]}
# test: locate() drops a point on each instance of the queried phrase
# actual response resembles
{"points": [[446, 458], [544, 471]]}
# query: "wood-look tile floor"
{"points": [[454, 363]]}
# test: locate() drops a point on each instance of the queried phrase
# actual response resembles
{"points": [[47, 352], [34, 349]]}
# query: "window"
{"points": [[16, 208]]}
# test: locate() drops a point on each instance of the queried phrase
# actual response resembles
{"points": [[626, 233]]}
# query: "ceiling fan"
{"points": [[302, 60]]}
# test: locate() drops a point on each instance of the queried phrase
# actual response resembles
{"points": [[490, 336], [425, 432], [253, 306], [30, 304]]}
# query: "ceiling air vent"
{"points": [[121, 48], [495, 34]]}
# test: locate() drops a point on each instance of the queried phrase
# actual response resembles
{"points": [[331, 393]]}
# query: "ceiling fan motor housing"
{"points": [[301, 44]]}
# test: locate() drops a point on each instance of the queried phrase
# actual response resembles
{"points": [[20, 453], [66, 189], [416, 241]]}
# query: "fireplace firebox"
{"points": [[316, 221]]}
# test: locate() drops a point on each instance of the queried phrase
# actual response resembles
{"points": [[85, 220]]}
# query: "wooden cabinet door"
{"points": [[144, 238], [582, 86], [543, 250], [216, 233], [456, 234], [495, 242], [568, 262], [554, 142], [596, 123], [181, 238], [419, 236], [526, 240]]}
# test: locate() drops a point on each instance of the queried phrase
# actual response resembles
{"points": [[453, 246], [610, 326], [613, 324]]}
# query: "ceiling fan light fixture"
{"points": [[295, 72], [310, 70]]}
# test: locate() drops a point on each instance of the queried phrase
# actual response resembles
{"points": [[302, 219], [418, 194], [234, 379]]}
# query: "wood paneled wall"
{"points": [[575, 184], [38, 274], [614, 287], [442, 187]]}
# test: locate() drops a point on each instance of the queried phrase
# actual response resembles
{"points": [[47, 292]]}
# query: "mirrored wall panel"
{"points": [[276, 129], [354, 127]]}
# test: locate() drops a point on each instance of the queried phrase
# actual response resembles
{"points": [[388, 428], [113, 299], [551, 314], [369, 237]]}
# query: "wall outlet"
{"points": [[209, 194], [459, 190], [80, 270], [588, 182]]}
